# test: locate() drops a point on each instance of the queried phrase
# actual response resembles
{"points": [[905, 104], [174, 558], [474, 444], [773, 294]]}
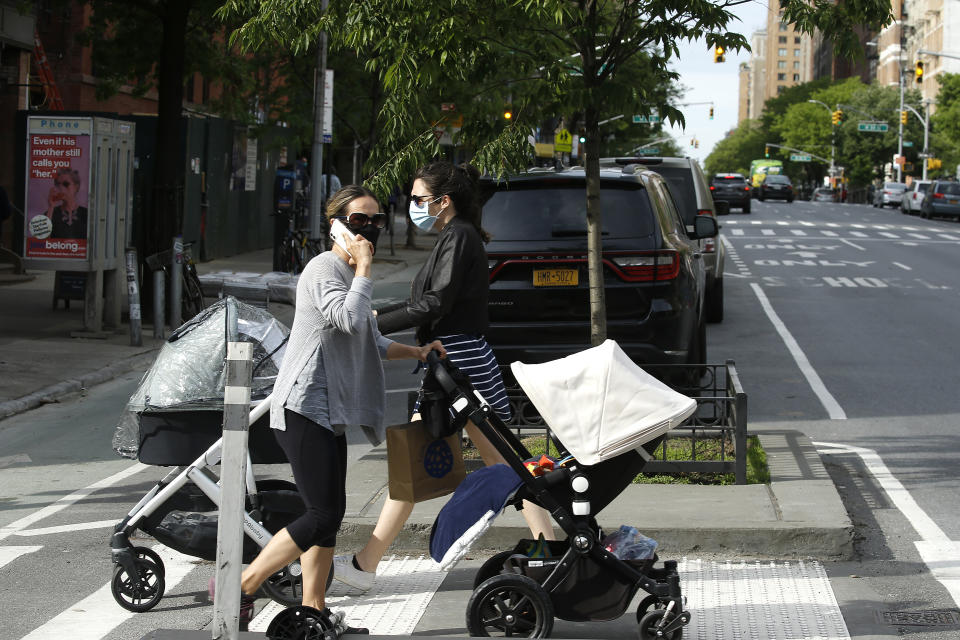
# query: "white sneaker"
{"points": [[345, 572]]}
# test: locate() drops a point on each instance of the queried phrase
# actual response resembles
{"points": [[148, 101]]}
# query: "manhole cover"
{"points": [[929, 618]]}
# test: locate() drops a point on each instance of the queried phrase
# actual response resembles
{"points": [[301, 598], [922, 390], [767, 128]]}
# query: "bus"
{"points": [[759, 170]]}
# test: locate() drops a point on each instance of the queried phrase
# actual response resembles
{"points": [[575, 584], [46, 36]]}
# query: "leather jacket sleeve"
{"points": [[450, 291]]}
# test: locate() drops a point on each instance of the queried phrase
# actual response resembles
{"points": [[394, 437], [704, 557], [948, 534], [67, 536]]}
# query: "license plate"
{"points": [[556, 277], [952, 201]]}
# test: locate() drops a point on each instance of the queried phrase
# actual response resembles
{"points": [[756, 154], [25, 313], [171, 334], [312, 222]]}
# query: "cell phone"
{"points": [[340, 234]]}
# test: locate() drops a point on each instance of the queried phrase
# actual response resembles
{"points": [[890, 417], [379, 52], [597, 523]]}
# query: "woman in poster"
{"points": [[68, 218]]}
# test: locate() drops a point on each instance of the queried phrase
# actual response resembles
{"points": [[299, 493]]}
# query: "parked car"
{"points": [[913, 197], [653, 272], [776, 186], [890, 194], [824, 194], [690, 192], [942, 199], [732, 188]]}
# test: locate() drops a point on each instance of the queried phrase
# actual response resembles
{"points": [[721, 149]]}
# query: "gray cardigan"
{"points": [[333, 311]]}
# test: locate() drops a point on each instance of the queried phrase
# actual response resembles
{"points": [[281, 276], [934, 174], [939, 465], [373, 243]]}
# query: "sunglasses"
{"points": [[419, 200], [358, 220]]}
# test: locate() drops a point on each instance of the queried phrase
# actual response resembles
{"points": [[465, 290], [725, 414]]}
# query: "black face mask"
{"points": [[370, 233]]}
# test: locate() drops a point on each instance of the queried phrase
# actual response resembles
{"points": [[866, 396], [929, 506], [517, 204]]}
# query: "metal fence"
{"points": [[721, 416]]}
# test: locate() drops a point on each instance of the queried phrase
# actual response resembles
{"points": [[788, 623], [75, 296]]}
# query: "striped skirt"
{"points": [[474, 357]]}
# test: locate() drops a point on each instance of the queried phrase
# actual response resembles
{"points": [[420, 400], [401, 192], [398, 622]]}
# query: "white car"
{"points": [[913, 197]]}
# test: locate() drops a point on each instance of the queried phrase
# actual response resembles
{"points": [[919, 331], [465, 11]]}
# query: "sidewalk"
{"points": [[799, 514]]}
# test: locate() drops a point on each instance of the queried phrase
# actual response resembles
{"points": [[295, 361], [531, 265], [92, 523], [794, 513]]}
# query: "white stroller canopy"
{"points": [[600, 403]]}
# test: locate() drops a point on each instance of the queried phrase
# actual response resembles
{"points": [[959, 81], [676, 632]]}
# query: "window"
{"points": [[780, 89], [796, 77], [781, 76], [796, 64], [783, 26], [796, 40], [796, 53], [781, 52], [782, 39], [781, 64]]}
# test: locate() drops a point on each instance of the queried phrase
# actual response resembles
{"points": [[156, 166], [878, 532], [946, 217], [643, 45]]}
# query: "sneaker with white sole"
{"points": [[345, 572]]}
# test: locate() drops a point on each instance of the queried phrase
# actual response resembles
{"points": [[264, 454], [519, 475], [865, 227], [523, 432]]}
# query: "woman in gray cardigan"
{"points": [[331, 379]]}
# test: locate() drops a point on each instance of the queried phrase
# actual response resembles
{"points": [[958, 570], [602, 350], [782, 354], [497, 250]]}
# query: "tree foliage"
{"points": [[945, 123], [734, 153]]}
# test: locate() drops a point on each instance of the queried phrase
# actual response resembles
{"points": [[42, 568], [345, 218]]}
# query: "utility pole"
{"points": [[316, 162], [899, 162]]}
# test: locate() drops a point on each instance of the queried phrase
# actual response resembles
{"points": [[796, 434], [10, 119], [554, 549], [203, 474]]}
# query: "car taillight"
{"points": [[646, 267], [712, 188], [938, 196], [746, 188]]}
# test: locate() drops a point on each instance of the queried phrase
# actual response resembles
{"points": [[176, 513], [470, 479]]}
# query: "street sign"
{"points": [[651, 119], [563, 141], [800, 157], [876, 127], [648, 151], [907, 143]]}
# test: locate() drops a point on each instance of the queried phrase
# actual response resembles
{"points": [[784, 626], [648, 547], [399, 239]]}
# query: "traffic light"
{"points": [[903, 117], [507, 112], [919, 71], [835, 117], [934, 163], [583, 137], [696, 144], [766, 152], [718, 54], [692, 141], [711, 113]]}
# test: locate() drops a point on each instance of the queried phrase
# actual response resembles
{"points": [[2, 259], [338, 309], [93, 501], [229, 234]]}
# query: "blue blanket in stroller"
{"points": [[479, 499]]}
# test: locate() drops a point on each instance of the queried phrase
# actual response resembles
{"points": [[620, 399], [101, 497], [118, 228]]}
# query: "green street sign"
{"points": [[875, 127], [798, 157], [646, 119], [648, 151], [907, 143]]}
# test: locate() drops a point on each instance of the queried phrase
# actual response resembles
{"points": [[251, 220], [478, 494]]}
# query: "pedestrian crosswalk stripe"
{"points": [[887, 234], [829, 233], [9, 554], [738, 232], [918, 236], [947, 236], [798, 232], [859, 234], [767, 232]]}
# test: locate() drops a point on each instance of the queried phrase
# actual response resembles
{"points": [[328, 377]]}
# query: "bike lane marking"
{"points": [[936, 549]]}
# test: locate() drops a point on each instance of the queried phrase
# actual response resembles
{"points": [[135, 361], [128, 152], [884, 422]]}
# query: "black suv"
{"points": [[732, 189], [778, 186], [653, 271]]}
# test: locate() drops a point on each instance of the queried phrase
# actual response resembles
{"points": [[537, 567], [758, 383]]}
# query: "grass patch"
{"points": [[678, 448]]}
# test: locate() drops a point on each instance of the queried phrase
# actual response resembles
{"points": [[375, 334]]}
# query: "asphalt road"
{"points": [[840, 320]]}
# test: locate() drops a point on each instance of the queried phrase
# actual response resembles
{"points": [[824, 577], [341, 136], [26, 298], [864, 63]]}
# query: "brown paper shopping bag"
{"points": [[421, 467]]}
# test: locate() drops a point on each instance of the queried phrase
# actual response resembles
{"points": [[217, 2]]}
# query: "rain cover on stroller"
{"points": [[188, 373], [600, 403]]}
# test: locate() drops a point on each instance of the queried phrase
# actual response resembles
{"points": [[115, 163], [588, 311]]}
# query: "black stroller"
{"points": [[175, 419], [578, 579]]}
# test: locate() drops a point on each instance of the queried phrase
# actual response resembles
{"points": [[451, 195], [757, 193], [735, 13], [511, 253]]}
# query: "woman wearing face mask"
{"points": [[448, 302], [331, 379]]}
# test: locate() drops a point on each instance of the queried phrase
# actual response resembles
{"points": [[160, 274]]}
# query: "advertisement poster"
{"points": [[58, 179]]}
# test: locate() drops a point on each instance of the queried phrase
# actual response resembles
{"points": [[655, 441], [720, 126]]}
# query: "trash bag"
{"points": [[627, 543]]}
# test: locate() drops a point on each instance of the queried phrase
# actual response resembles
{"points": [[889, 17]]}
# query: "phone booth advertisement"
{"points": [[58, 189]]}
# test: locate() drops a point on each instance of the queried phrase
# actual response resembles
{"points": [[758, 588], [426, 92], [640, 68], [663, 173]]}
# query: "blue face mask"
{"points": [[421, 215]]}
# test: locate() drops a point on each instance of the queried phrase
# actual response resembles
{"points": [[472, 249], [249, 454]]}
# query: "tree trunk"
{"points": [[167, 198], [598, 305]]}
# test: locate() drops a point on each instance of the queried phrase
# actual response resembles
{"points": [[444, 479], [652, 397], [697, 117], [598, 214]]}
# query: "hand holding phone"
{"points": [[340, 234]]}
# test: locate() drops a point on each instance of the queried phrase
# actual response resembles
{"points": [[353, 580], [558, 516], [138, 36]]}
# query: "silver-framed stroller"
{"points": [[608, 416], [174, 419]]}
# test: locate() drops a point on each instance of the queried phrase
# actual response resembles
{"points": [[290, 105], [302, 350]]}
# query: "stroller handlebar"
{"points": [[440, 373]]}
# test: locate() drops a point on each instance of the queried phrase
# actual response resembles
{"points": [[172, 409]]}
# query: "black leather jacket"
{"points": [[449, 293]]}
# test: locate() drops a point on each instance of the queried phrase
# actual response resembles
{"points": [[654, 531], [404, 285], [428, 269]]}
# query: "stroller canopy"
{"points": [[599, 403], [189, 370]]}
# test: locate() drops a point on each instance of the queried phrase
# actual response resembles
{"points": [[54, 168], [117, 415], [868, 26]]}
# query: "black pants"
{"points": [[319, 462]]}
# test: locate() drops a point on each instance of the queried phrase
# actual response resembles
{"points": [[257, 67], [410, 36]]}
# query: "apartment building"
{"points": [[932, 27]]}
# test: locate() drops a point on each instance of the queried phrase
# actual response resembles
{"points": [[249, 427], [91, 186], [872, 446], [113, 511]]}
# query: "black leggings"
{"points": [[319, 462]]}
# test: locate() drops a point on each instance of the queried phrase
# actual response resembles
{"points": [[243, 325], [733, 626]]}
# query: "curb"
{"points": [[55, 392]]}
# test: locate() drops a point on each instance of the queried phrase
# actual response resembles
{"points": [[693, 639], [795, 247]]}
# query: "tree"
{"points": [[945, 123], [734, 153], [552, 52]]}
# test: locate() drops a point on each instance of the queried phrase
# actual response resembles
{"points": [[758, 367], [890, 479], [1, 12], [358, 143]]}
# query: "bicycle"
{"points": [[296, 248], [191, 299]]}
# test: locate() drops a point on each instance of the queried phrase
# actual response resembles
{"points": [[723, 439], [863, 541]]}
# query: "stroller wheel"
{"points": [[141, 592], [510, 605], [286, 588], [653, 626], [146, 553], [648, 603], [299, 623], [492, 567]]}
